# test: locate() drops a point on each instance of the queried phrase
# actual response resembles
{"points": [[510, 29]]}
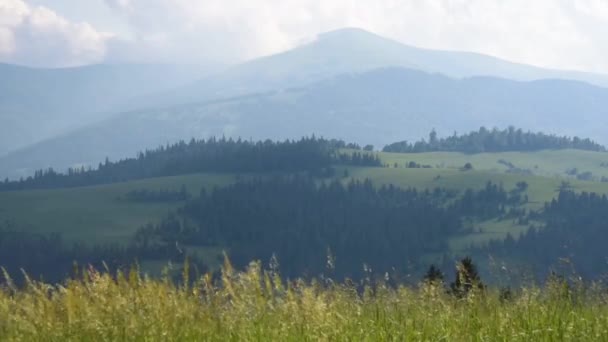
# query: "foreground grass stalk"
{"points": [[256, 305]]}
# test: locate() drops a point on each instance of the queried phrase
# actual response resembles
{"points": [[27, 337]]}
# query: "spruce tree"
{"points": [[433, 276], [467, 278]]}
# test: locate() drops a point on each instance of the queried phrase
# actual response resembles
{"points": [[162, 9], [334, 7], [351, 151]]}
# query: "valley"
{"points": [[103, 214]]}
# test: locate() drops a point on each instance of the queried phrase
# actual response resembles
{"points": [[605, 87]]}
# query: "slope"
{"points": [[38, 103], [102, 213], [353, 50], [96, 214], [378, 107]]}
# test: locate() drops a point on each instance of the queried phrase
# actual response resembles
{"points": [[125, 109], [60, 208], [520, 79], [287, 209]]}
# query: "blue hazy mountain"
{"points": [[347, 83], [378, 107], [354, 50], [39, 103]]}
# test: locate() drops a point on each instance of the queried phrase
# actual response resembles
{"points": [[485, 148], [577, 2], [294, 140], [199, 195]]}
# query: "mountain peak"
{"points": [[351, 35], [347, 32]]}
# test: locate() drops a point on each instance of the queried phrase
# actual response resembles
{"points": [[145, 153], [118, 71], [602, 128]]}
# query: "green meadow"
{"points": [[101, 214], [96, 213], [548, 163]]}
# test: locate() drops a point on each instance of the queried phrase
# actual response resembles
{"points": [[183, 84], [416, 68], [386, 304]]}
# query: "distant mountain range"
{"points": [[36, 104], [353, 50], [349, 84]]}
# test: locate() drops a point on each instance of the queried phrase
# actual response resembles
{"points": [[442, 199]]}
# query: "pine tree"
{"points": [[467, 278], [433, 276]]}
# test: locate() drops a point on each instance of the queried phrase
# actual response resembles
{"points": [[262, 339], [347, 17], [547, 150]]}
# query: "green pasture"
{"points": [[548, 163], [548, 173], [95, 214], [99, 214]]}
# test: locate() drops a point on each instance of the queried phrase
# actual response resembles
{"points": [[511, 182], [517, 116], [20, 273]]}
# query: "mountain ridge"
{"points": [[38, 103], [257, 97], [354, 50], [381, 106]]}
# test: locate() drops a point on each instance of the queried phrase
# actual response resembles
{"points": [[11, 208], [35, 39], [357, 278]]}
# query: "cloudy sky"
{"points": [[568, 34]]}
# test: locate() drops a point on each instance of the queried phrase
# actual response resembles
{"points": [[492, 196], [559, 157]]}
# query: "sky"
{"points": [[562, 34]]}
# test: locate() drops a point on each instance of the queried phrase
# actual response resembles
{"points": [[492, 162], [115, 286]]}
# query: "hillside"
{"points": [[353, 50], [96, 214], [36, 104], [119, 214], [377, 107], [57, 210], [299, 92]]}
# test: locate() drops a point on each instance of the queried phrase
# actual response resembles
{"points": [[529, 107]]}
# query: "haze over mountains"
{"points": [[347, 84], [354, 50], [41, 103]]}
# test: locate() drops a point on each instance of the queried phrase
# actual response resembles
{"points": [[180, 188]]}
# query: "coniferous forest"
{"points": [[494, 140], [290, 204], [573, 231], [211, 155], [296, 219]]}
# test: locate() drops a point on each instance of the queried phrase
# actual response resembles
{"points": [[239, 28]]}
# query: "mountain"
{"points": [[36, 104], [379, 107], [347, 83], [353, 50]]}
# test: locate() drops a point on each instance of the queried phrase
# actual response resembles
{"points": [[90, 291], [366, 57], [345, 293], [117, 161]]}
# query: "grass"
{"points": [[548, 163], [548, 172], [257, 305], [541, 190], [488, 230], [96, 213]]}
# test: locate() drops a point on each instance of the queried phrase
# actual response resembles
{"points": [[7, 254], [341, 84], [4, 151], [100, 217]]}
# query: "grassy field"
{"points": [[547, 172], [258, 306], [98, 214], [550, 163], [541, 190]]}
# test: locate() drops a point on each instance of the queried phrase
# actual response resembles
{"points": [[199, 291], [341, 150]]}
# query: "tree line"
{"points": [[315, 155], [494, 140], [50, 257]]}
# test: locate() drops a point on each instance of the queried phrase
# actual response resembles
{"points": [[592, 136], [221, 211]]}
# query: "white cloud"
{"points": [[553, 33], [37, 36], [570, 34], [11, 15]]}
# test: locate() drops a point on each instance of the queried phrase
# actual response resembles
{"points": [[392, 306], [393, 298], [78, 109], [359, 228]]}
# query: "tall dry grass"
{"points": [[257, 305]]}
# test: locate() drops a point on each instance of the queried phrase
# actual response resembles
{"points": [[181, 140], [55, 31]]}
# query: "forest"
{"points": [[50, 258], [297, 220], [315, 155], [294, 207], [573, 232], [302, 223], [305, 222], [494, 140]]}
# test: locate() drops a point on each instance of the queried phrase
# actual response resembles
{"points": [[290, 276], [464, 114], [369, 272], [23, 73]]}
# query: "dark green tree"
{"points": [[467, 278], [433, 276]]}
